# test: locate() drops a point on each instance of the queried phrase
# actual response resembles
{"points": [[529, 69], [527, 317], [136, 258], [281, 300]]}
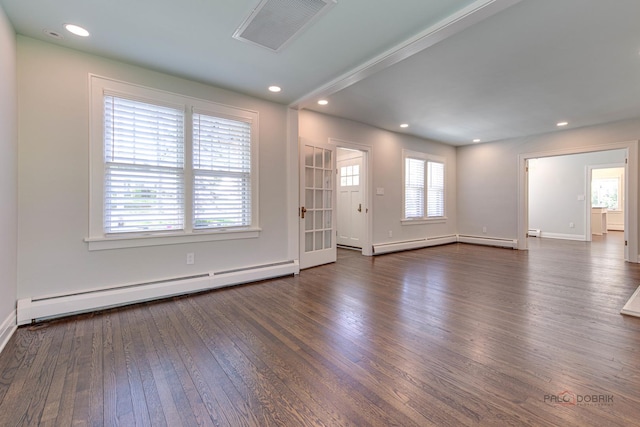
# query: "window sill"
{"points": [[137, 241], [418, 221]]}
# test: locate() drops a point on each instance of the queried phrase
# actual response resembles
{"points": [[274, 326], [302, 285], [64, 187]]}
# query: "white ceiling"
{"points": [[455, 70]]}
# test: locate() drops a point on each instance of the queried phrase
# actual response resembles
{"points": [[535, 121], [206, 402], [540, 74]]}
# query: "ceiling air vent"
{"points": [[273, 23]]}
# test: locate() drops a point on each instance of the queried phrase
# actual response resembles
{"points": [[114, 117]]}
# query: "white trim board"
{"points": [[632, 307], [7, 329], [31, 309]]}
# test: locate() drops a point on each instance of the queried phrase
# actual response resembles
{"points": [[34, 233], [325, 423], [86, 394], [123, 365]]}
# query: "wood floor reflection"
{"points": [[445, 336]]}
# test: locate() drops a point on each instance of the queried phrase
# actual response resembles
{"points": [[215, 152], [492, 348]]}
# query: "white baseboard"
{"points": [[30, 309], [488, 241], [7, 328], [385, 248], [632, 307], [578, 237]]}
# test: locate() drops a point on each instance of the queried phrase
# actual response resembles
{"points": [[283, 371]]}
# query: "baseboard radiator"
{"points": [[385, 248], [36, 309], [406, 245], [489, 241]]}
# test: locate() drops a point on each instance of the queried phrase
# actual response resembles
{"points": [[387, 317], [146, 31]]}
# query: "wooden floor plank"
{"points": [[457, 335]]}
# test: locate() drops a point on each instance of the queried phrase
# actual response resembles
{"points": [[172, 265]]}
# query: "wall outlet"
{"points": [[484, 230], [390, 233], [572, 225], [191, 258]]}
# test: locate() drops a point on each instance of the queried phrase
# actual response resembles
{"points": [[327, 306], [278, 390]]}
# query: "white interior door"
{"points": [[317, 213], [350, 185]]}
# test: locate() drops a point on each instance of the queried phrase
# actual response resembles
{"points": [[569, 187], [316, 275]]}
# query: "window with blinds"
{"points": [[423, 187], [414, 188], [144, 166], [435, 189], [221, 172], [168, 166]]}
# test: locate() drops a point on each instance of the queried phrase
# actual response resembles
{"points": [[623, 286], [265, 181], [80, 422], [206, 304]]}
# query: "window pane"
{"points": [[222, 172], [221, 201], [414, 188], [435, 193], [144, 166]]}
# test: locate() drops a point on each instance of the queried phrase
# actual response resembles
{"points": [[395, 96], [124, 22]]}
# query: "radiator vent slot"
{"points": [[274, 23]]}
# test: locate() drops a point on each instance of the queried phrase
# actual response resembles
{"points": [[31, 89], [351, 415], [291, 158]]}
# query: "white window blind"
{"points": [[435, 191], [144, 166], [221, 172], [414, 188]]}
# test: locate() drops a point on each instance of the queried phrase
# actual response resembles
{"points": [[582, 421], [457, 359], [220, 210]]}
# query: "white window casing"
{"points": [[423, 188], [167, 168]]}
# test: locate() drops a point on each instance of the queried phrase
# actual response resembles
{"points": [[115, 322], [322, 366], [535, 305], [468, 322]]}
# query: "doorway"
{"points": [[583, 196], [607, 198], [350, 195], [353, 204]]}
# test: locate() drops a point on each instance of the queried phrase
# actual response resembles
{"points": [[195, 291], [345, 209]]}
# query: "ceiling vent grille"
{"points": [[273, 23]]}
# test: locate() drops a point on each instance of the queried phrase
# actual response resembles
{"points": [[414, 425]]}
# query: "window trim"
{"points": [[97, 239], [426, 157]]}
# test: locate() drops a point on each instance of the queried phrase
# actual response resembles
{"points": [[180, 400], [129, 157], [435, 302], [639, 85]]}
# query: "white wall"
{"points": [[8, 176], [488, 173], [54, 188], [387, 173], [554, 186]]}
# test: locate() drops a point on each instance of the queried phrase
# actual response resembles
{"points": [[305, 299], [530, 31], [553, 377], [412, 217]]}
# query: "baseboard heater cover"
{"points": [[34, 309], [385, 248], [489, 241]]}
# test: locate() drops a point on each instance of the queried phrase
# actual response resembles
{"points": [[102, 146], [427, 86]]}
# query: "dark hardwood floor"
{"points": [[446, 336]]}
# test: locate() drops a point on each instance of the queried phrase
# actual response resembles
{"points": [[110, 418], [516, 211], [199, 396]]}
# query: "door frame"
{"points": [[367, 194], [345, 210], [631, 192]]}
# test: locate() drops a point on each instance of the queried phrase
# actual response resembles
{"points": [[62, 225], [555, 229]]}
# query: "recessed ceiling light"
{"points": [[78, 31], [275, 89], [323, 102], [404, 125], [560, 124], [476, 140]]}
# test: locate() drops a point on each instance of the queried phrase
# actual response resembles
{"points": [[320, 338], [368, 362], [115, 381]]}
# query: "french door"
{"points": [[318, 200]]}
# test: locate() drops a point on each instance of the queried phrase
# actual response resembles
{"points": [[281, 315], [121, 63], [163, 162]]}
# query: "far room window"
{"points": [[424, 187], [605, 192]]}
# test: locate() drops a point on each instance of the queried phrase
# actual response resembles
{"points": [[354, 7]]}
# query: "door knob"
{"points": [[360, 207], [303, 210]]}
